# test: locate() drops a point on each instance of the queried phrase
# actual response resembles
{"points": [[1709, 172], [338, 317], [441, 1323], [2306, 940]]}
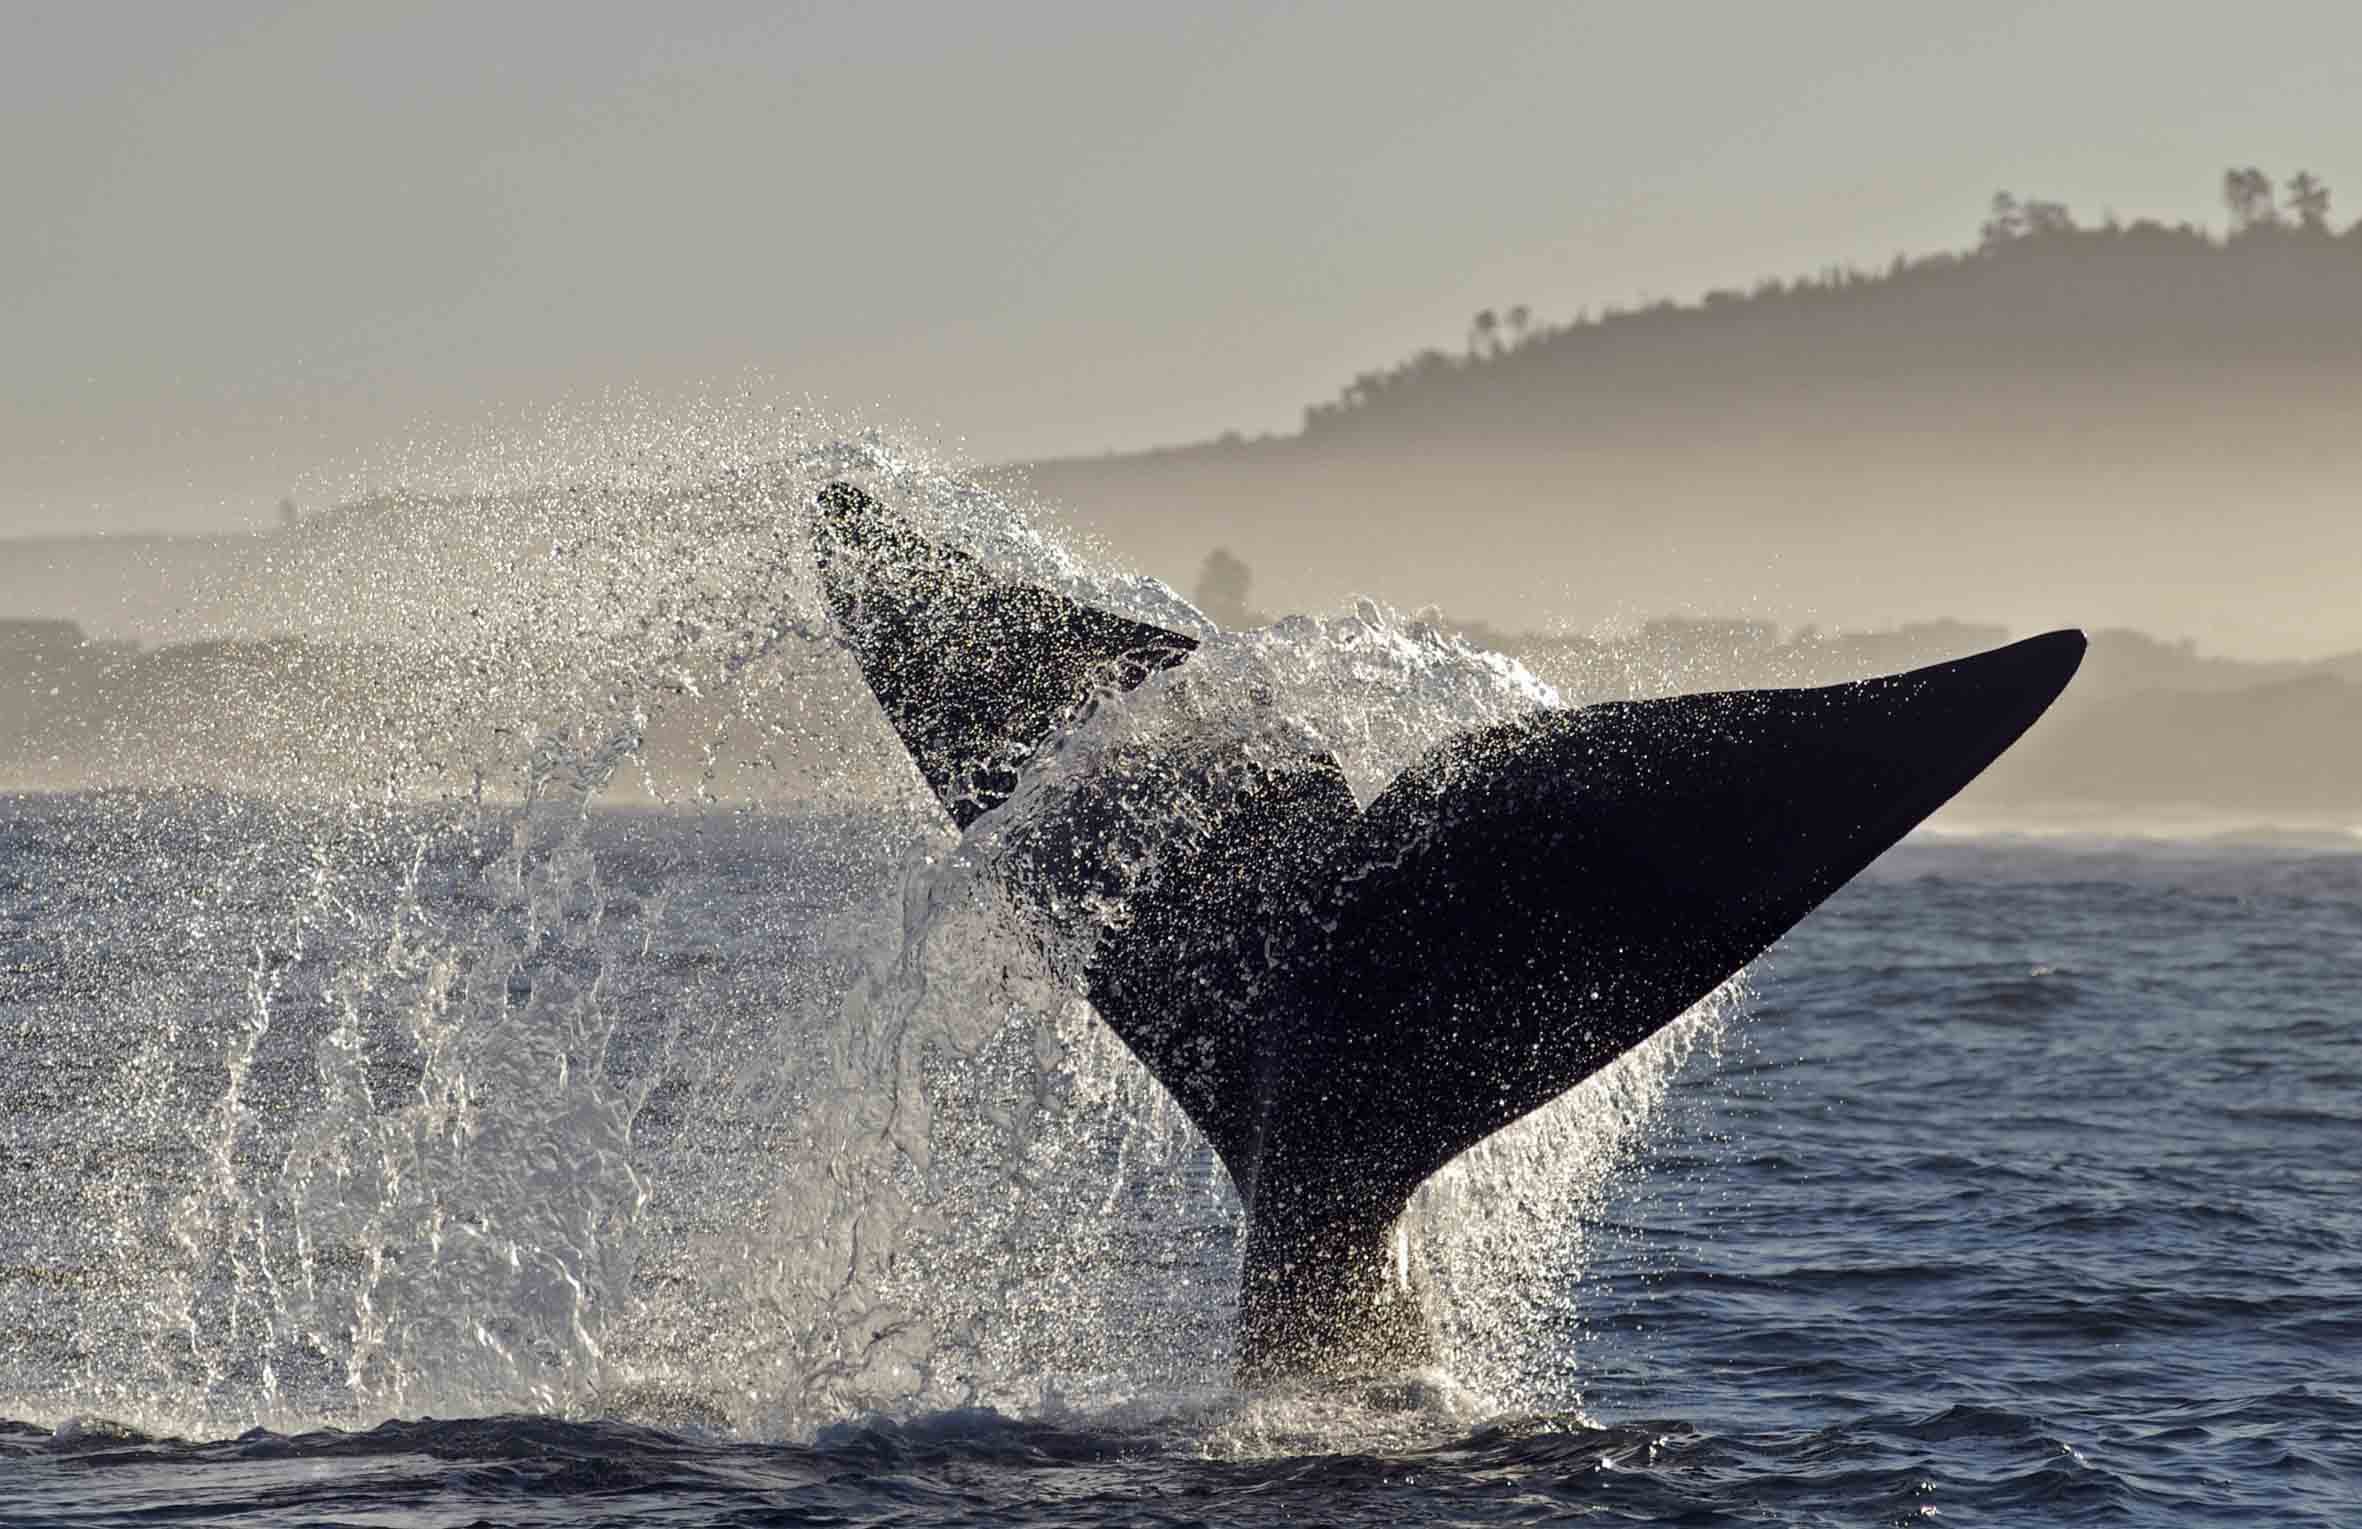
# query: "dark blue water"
{"points": [[2022, 1189]]}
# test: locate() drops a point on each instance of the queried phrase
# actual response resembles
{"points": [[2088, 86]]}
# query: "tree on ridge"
{"points": [[2309, 200], [2247, 194]]}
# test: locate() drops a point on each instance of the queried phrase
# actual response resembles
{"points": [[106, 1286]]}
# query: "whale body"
{"points": [[1344, 999]]}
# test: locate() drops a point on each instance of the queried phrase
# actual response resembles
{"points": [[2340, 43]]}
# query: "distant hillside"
{"points": [[2132, 425], [2151, 734], [2141, 315]]}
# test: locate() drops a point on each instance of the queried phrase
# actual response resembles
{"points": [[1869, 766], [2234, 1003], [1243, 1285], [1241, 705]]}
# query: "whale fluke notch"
{"points": [[1345, 1000]]}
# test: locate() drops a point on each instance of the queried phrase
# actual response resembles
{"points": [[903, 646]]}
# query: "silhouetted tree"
{"points": [[2010, 219], [2004, 223], [1484, 333], [1521, 321], [2309, 200], [288, 513], [1222, 586], [2048, 219], [2248, 196]]}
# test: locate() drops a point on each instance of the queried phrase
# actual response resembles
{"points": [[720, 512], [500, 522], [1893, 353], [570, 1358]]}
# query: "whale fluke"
{"points": [[1345, 1000]]}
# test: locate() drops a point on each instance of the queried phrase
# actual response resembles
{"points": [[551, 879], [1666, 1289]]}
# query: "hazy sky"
{"points": [[248, 240]]}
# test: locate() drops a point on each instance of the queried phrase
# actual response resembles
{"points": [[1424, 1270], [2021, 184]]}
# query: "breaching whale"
{"points": [[1344, 999]]}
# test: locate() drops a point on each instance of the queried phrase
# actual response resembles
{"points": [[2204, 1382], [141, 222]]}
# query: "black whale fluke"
{"points": [[1343, 1000]]}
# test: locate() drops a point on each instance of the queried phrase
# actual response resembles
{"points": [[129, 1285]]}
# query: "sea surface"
{"points": [[382, 1166], [522, 1047]]}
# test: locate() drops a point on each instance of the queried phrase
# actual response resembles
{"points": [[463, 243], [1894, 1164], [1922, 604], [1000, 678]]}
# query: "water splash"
{"points": [[1507, 1228], [536, 980]]}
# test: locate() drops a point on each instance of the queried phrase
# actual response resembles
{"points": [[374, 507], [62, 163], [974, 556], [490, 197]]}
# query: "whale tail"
{"points": [[1343, 1000]]}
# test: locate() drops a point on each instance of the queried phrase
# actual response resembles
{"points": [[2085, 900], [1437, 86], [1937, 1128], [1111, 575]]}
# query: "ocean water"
{"points": [[444, 1117], [2020, 1188]]}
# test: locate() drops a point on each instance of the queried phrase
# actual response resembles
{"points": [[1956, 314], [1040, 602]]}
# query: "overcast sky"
{"points": [[249, 241]]}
